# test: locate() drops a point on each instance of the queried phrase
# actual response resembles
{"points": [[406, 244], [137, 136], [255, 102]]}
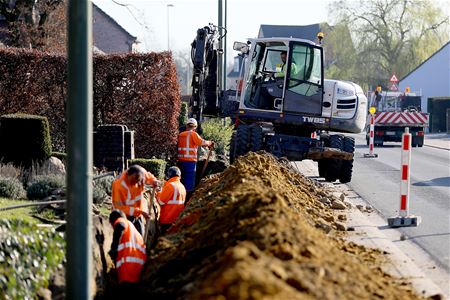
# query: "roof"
{"points": [[307, 32], [114, 22], [445, 45]]}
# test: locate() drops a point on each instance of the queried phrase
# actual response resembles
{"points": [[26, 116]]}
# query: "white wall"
{"points": [[432, 77]]}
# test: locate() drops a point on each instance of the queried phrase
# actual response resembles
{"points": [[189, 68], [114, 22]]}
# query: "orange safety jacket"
{"points": [[131, 254], [129, 198], [171, 199], [188, 142]]}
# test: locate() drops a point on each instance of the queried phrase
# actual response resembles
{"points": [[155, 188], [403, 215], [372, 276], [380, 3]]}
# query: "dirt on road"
{"points": [[260, 230]]}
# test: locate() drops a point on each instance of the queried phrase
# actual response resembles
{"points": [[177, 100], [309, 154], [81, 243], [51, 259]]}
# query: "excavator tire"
{"points": [[239, 144], [348, 145], [334, 165], [257, 138]]}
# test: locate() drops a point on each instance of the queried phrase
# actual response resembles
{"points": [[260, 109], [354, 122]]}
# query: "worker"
{"points": [[127, 252], [171, 199], [127, 194], [188, 142], [282, 72]]}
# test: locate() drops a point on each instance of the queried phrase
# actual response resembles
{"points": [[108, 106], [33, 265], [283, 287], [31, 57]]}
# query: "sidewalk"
{"points": [[438, 140]]}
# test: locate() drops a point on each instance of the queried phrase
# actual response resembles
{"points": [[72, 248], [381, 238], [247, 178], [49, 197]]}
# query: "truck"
{"points": [[279, 111], [394, 112]]}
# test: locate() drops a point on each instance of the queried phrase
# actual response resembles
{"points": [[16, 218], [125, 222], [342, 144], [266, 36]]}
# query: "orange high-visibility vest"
{"points": [[129, 198], [131, 254], [188, 142], [171, 199]]}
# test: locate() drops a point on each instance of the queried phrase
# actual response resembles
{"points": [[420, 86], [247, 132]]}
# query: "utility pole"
{"points": [[225, 49], [79, 151], [220, 58], [168, 26]]}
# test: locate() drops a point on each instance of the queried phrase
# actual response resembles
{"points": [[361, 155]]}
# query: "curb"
{"points": [[437, 147]]}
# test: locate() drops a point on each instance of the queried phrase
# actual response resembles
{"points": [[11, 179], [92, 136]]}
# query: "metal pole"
{"points": [[168, 27], [79, 150], [225, 50], [219, 57]]}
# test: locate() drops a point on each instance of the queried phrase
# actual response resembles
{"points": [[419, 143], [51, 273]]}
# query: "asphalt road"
{"points": [[377, 180]]}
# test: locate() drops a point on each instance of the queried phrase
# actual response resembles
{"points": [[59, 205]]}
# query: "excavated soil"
{"points": [[259, 230]]}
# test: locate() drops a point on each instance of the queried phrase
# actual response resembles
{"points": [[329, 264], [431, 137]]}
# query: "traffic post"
{"points": [[372, 111], [404, 219]]}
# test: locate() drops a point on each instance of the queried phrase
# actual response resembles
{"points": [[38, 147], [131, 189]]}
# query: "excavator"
{"points": [[286, 108]]}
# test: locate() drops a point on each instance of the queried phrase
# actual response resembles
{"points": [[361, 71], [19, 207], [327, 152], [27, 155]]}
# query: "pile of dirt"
{"points": [[259, 230]]}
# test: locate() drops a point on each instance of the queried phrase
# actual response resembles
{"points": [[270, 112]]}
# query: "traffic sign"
{"points": [[393, 78], [393, 87]]}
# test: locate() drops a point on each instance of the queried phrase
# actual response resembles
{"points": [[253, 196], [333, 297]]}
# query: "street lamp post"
{"points": [[168, 26]]}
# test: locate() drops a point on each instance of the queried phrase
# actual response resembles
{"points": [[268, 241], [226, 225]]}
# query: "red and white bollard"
{"points": [[404, 219], [314, 135], [371, 137]]}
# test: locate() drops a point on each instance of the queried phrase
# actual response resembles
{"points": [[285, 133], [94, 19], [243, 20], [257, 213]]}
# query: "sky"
{"points": [[153, 21]]}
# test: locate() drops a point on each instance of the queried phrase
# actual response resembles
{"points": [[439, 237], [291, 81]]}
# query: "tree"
{"points": [[390, 36], [183, 64], [29, 21]]}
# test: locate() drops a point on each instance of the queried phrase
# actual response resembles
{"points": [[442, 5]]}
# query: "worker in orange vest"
{"points": [[171, 199], [127, 251], [127, 194], [188, 142]]}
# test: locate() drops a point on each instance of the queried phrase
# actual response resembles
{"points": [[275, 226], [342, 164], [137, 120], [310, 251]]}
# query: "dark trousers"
{"points": [[138, 224], [188, 172]]}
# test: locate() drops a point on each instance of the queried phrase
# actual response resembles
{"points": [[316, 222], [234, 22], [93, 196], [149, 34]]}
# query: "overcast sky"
{"points": [[148, 19]]}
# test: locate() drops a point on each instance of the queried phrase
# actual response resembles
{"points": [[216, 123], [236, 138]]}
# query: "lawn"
{"points": [[20, 213]]}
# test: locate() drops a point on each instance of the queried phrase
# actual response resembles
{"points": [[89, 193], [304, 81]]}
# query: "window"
{"points": [[305, 70]]}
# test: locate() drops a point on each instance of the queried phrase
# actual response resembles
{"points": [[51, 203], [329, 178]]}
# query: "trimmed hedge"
{"points": [[26, 139], [137, 90], [219, 131], [182, 119], [155, 166]]}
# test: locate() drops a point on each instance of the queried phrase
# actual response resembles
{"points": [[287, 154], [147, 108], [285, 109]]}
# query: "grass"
{"points": [[16, 214]]}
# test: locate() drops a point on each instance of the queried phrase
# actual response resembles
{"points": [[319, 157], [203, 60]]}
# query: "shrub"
{"points": [[29, 256], [41, 186], [219, 131], [11, 188], [155, 166], [105, 183], [28, 136], [99, 195], [182, 119], [10, 171]]}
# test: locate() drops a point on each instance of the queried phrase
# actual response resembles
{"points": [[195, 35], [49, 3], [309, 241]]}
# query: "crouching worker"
{"points": [[171, 199], [127, 194], [127, 252]]}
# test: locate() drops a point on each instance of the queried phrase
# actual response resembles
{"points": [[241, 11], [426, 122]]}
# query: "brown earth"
{"points": [[259, 231]]}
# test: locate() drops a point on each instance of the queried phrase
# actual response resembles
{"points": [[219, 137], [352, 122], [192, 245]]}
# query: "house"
{"points": [[108, 36], [306, 32], [431, 79]]}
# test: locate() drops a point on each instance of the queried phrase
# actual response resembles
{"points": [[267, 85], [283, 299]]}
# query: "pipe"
{"points": [[79, 150], [40, 203]]}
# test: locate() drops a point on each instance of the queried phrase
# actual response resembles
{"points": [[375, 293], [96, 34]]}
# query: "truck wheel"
{"points": [[257, 138], [334, 165], [239, 142], [347, 165], [323, 167]]}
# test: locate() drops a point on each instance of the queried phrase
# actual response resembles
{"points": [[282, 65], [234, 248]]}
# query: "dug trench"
{"points": [[260, 230]]}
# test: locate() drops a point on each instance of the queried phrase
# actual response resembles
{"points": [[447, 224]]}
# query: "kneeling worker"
{"points": [[127, 194], [171, 198], [127, 249], [188, 142]]}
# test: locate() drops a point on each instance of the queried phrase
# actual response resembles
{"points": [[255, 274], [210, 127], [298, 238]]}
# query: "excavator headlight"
{"points": [[345, 92]]}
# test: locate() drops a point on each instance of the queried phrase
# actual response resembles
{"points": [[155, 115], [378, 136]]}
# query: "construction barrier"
{"points": [[314, 135], [371, 137], [404, 219]]}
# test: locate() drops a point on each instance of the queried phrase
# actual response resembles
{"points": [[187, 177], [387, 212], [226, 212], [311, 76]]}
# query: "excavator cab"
{"points": [[283, 76]]}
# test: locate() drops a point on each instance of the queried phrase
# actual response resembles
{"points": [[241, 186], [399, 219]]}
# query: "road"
{"points": [[377, 180]]}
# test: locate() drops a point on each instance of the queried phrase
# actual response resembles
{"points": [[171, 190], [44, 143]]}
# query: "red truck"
{"points": [[395, 111]]}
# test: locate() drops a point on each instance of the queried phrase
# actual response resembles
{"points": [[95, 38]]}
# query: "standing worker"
{"points": [[127, 252], [188, 142], [127, 194], [171, 199]]}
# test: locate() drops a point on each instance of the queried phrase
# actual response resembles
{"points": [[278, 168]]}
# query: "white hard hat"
{"points": [[192, 122]]}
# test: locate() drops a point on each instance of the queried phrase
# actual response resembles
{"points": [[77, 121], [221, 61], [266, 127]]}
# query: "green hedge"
{"points": [[219, 131], [182, 119], [26, 139], [11, 188], [155, 166]]}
